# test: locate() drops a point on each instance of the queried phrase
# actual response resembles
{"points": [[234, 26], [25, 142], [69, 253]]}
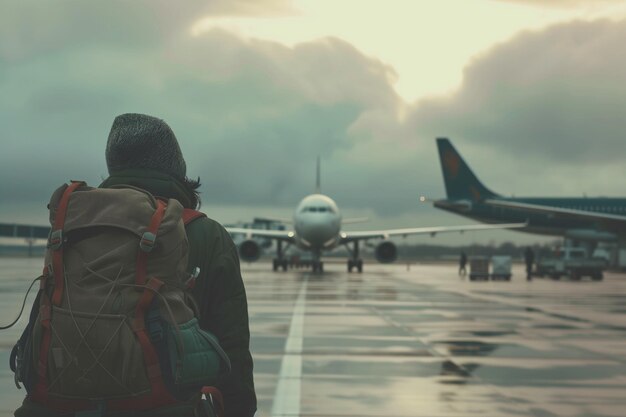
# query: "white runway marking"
{"points": [[287, 397]]}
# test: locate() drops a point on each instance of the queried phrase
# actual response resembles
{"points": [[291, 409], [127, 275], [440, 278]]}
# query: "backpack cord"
{"points": [[23, 305], [180, 346]]}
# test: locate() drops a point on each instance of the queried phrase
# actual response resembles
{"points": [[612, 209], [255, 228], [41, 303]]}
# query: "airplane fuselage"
{"points": [[546, 224], [317, 223], [575, 218]]}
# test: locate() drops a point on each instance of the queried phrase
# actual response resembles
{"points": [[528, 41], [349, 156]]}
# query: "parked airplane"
{"points": [[317, 225], [577, 219]]}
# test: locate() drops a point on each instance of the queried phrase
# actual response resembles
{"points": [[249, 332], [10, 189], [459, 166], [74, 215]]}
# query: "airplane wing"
{"points": [[551, 210], [285, 235], [383, 234], [352, 220], [285, 220]]}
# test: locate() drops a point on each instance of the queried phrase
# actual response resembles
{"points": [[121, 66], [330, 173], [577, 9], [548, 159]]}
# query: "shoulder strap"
{"points": [[190, 215], [56, 240]]}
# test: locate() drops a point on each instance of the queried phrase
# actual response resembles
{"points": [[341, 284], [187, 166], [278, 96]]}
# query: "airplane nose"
{"points": [[318, 230]]}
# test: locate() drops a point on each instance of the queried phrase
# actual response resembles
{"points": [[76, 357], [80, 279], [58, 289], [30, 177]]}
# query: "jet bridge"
{"points": [[24, 231]]}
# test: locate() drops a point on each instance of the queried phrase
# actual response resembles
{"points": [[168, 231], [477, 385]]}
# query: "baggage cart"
{"points": [[479, 268]]}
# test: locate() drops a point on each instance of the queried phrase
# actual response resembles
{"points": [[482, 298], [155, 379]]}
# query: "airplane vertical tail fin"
{"points": [[318, 185], [460, 181]]}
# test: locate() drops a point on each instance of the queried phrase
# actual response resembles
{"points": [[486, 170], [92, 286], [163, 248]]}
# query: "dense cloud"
{"points": [[31, 28], [252, 115], [550, 98]]}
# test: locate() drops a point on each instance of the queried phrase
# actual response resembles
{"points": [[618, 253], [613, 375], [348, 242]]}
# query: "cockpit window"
{"points": [[318, 209]]}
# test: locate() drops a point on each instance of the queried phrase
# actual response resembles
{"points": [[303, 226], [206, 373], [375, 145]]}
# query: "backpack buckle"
{"points": [[146, 243], [55, 240]]}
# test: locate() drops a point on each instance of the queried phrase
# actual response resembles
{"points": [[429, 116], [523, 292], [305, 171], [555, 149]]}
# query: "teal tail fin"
{"points": [[460, 181]]}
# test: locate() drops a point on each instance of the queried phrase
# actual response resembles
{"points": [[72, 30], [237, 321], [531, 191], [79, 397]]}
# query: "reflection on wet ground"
{"points": [[422, 342]]}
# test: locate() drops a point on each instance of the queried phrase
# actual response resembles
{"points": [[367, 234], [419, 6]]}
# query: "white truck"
{"points": [[501, 268], [571, 262]]}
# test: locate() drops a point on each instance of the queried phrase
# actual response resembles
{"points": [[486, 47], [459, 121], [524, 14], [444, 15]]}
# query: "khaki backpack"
{"points": [[113, 324]]}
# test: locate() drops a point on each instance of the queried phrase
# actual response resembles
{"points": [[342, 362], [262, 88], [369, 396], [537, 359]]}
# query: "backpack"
{"points": [[114, 325]]}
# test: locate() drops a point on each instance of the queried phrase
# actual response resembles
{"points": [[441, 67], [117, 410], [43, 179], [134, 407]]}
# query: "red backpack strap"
{"points": [[190, 215], [158, 396], [55, 245], [55, 241]]}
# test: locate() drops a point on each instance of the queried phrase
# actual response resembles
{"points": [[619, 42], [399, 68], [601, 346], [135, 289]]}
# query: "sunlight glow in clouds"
{"points": [[428, 43]]}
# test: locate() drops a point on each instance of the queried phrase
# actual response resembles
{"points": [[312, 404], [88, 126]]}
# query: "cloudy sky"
{"points": [[532, 92]]}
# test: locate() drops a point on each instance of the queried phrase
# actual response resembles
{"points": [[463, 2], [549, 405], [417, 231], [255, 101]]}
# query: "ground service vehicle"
{"points": [[572, 262], [479, 268], [501, 268]]}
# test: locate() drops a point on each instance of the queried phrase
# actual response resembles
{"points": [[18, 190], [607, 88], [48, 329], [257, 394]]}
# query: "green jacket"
{"points": [[219, 290]]}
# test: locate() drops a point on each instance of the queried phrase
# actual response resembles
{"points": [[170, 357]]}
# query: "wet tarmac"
{"points": [[423, 342]]}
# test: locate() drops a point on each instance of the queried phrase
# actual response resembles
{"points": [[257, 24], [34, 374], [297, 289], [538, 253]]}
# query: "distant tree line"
{"points": [[441, 252], [417, 252], [421, 252]]}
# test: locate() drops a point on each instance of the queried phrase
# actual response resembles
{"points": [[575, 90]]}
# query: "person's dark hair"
{"points": [[193, 186]]}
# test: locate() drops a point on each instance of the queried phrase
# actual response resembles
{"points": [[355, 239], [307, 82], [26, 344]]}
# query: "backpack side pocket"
{"points": [[21, 359], [201, 360]]}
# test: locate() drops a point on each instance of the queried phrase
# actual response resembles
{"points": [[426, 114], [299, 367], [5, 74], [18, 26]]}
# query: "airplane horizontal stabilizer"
{"points": [[352, 220]]}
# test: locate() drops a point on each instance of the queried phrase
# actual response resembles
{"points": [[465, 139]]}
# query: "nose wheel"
{"points": [[317, 267], [280, 263]]}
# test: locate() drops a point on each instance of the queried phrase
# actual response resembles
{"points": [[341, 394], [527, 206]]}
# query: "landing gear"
{"points": [[280, 261], [317, 266], [354, 261]]}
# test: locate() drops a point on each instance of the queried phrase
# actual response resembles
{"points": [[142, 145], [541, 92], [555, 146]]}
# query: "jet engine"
{"points": [[386, 252], [249, 250]]}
